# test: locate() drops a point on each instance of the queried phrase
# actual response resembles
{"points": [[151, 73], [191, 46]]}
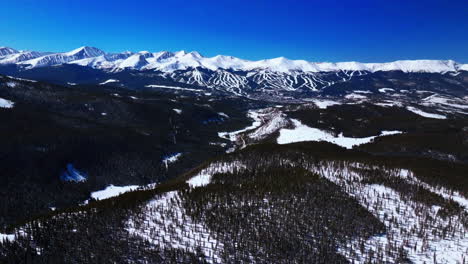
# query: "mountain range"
{"points": [[171, 61], [278, 79]]}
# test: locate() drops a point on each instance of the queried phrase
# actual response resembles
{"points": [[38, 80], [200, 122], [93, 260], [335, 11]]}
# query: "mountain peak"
{"points": [[7, 51], [196, 54], [180, 53], [86, 52]]}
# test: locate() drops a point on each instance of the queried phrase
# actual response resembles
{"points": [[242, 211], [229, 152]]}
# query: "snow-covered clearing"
{"points": [[112, 191], [425, 114], [203, 178], [323, 103], [6, 103], [302, 132]]}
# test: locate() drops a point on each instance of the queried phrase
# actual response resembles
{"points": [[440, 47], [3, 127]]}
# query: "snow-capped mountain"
{"points": [[4, 51], [62, 58], [172, 61], [275, 78]]}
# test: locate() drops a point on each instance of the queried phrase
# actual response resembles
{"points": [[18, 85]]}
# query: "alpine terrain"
{"points": [[173, 157]]}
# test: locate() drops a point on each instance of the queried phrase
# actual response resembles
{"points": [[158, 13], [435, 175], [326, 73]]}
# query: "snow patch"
{"points": [[232, 136], [109, 81], [112, 191], [173, 88], [9, 237], [21, 79], [302, 133], [425, 114], [223, 114], [355, 96], [323, 104], [171, 159], [203, 178], [6, 103], [11, 84], [384, 90]]}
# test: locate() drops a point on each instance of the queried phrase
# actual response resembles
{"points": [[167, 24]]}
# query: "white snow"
{"points": [[109, 81], [323, 104], [355, 96], [199, 180], [203, 178], [223, 114], [21, 79], [11, 84], [9, 237], [232, 136], [363, 92], [425, 114], [302, 133], [171, 159], [440, 100], [6, 103], [178, 111], [384, 90], [390, 103], [112, 191], [271, 122], [173, 88]]}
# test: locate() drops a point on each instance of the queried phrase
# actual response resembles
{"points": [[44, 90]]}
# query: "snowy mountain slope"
{"points": [[62, 58], [4, 51], [172, 61], [276, 79]]}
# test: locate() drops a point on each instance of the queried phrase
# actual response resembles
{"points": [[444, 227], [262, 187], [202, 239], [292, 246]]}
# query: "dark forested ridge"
{"points": [[217, 185]]}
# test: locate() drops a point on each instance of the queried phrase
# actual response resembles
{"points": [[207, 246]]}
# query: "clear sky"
{"points": [[327, 30]]}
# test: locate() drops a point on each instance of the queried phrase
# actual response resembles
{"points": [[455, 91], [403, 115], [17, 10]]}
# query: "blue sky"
{"points": [[366, 30]]}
